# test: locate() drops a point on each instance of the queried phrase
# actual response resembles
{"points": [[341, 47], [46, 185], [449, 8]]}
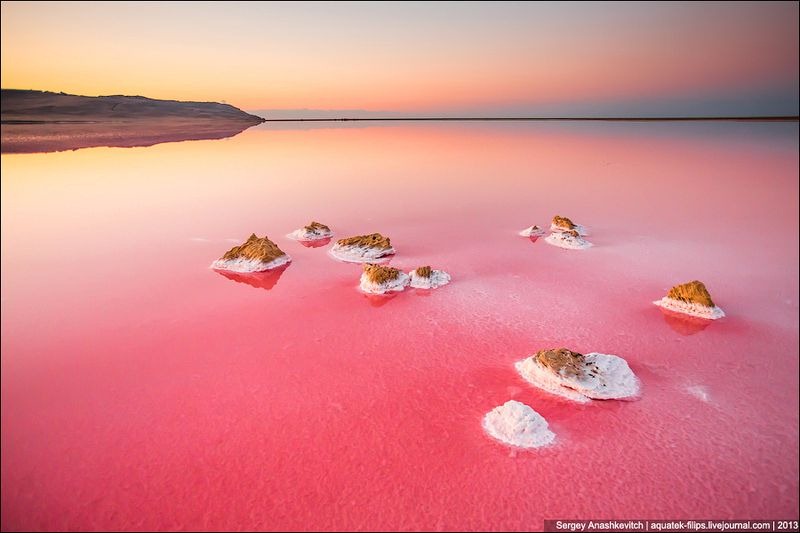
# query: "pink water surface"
{"points": [[142, 390]]}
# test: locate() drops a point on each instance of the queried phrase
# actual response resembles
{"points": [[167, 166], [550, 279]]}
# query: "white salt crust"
{"points": [[690, 308], [359, 254], [436, 280], [249, 265], [583, 231], [565, 240], [303, 234], [614, 379], [393, 285], [532, 232], [517, 424]]}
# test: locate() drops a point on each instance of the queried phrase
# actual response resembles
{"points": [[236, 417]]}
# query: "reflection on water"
{"points": [[684, 324], [261, 280], [379, 300], [36, 138], [316, 244]]}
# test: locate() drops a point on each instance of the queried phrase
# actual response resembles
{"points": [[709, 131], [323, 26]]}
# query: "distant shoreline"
{"points": [[543, 119], [43, 121]]}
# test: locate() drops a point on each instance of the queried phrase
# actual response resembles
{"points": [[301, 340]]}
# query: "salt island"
{"points": [[691, 298], [425, 277], [256, 254], [578, 377], [378, 279], [315, 231], [362, 248]]}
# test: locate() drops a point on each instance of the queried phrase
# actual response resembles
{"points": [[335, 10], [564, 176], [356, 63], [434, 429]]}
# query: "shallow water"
{"points": [[141, 389]]}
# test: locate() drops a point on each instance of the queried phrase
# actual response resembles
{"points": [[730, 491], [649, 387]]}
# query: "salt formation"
{"points": [[692, 299], [426, 278], [377, 279], [517, 424], [570, 239], [362, 248], [313, 232], [560, 223], [578, 377], [533, 231], [255, 255]]}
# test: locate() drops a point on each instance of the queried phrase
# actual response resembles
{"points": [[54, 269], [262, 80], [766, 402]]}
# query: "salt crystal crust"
{"points": [[241, 264], [517, 424], [567, 241], [690, 308], [434, 281]]}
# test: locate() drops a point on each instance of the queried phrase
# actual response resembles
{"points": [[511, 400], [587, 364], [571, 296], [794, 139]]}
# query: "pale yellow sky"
{"points": [[403, 56]]}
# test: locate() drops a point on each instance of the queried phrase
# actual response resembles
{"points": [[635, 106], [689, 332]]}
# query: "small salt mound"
{"points": [[241, 264], [568, 240], [517, 424], [690, 308], [313, 232], [371, 286], [434, 280], [533, 231], [603, 377]]}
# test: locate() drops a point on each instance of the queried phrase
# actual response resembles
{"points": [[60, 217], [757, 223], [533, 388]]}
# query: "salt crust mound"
{"points": [[427, 278], [517, 424], [533, 231], [377, 279], [690, 308], [256, 254], [313, 232], [571, 240], [604, 377], [362, 248]]}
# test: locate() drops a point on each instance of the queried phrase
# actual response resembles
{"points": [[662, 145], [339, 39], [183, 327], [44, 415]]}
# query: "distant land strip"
{"points": [[794, 118]]}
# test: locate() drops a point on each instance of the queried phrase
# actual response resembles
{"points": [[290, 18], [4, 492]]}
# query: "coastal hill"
{"points": [[41, 121]]}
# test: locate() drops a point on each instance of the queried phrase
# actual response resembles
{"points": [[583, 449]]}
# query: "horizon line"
{"points": [[780, 118]]}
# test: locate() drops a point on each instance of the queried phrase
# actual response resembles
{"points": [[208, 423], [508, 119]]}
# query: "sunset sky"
{"points": [[423, 58]]}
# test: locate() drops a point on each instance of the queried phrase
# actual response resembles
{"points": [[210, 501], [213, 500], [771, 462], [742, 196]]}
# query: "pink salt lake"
{"points": [[141, 389]]}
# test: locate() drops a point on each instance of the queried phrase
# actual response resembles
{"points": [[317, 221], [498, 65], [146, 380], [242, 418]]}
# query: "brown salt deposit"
{"points": [[380, 274], [563, 222], [373, 240], [424, 272], [255, 248], [562, 361], [692, 292], [317, 227]]}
